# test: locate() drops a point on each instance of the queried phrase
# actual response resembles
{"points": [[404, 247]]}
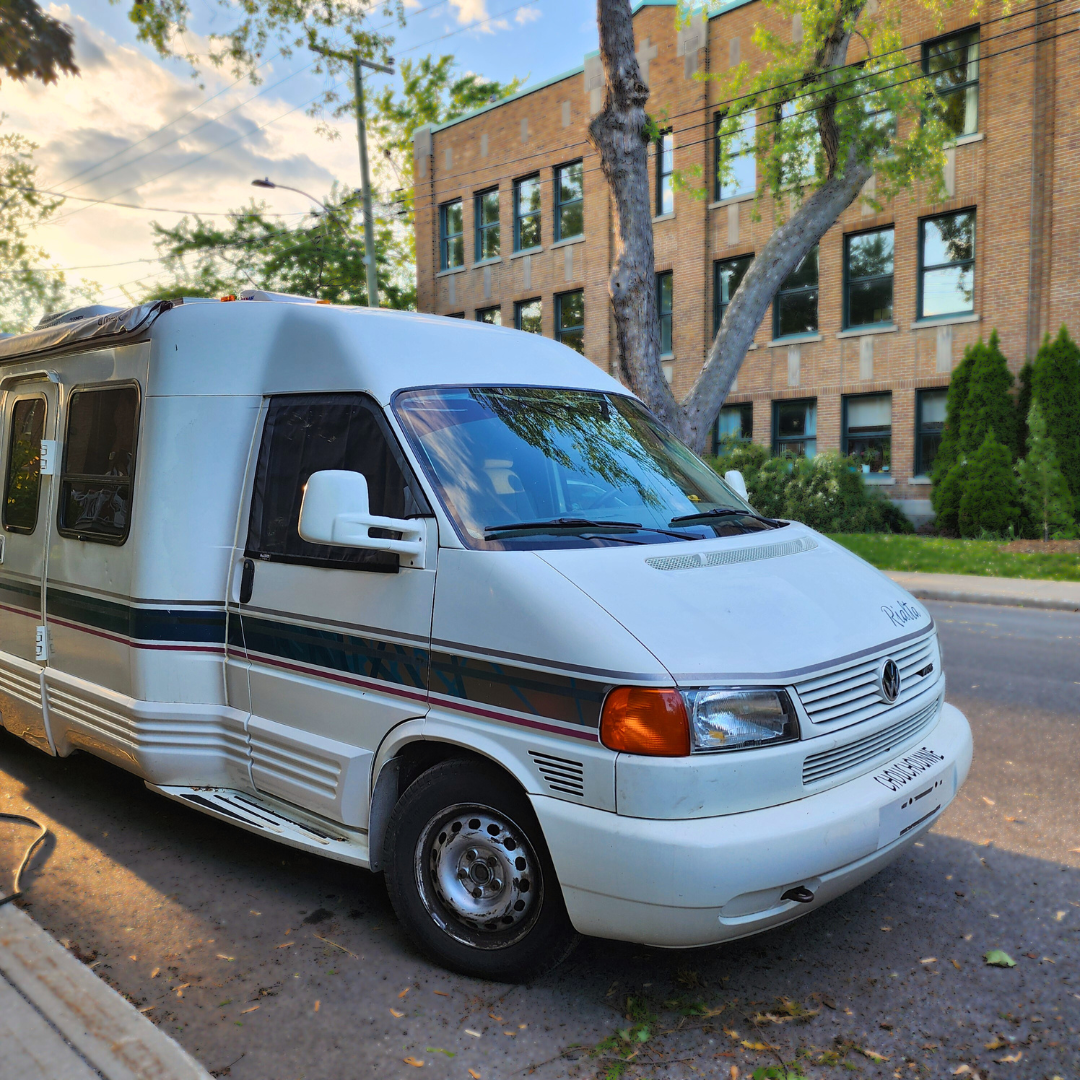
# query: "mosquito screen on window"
{"points": [[99, 464], [308, 433]]}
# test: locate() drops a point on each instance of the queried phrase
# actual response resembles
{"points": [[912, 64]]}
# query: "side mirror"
{"points": [[336, 511], [735, 481]]}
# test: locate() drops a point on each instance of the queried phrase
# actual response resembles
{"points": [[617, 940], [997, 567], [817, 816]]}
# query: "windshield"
{"points": [[545, 467]]}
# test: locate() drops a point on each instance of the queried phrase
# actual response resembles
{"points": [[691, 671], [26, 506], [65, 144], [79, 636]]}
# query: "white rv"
{"points": [[443, 600]]}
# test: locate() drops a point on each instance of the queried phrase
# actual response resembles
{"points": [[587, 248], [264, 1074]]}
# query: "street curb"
{"points": [[80, 1011], [954, 596]]}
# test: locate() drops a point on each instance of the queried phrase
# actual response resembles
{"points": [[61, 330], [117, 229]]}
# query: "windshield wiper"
{"points": [[721, 511], [563, 524]]}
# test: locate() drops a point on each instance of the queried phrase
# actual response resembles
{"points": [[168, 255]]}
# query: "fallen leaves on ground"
{"points": [[999, 958], [394, 1012], [474, 1074], [1010, 1059], [414, 1062]]}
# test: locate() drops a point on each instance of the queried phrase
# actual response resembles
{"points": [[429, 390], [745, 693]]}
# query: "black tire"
{"points": [[470, 876]]}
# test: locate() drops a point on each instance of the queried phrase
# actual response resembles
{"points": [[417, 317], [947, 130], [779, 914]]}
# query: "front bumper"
{"points": [[704, 880]]}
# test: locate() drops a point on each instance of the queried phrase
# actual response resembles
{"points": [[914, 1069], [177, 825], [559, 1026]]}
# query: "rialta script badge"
{"points": [[901, 613]]}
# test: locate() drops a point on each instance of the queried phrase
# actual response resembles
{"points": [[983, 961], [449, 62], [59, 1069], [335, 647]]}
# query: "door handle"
{"points": [[247, 581]]}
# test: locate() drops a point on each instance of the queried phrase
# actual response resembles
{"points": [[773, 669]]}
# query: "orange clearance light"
{"points": [[322, 301], [226, 299], [644, 720]]}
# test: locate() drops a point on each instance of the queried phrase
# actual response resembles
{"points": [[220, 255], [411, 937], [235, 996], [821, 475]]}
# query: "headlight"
{"points": [[738, 719]]}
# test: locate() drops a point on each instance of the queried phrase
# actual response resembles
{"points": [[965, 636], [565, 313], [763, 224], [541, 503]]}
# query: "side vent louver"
{"points": [[562, 775]]}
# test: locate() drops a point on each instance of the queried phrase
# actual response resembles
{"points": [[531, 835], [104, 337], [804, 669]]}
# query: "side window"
{"points": [[307, 433], [23, 482], [99, 464]]}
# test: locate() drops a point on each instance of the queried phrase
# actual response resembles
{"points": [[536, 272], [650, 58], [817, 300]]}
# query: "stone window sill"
{"points": [[963, 140], [490, 261], [920, 481], [794, 339], [528, 251], [568, 241], [877, 480], [944, 320], [664, 217], [451, 271], [863, 331], [731, 199]]}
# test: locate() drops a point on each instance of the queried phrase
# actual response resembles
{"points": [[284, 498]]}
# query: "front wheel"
{"points": [[470, 876]]}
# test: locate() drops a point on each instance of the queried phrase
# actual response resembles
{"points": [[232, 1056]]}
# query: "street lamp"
{"points": [[268, 183]]}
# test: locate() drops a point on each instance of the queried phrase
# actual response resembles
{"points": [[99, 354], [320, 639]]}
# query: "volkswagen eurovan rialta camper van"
{"points": [[443, 600]]}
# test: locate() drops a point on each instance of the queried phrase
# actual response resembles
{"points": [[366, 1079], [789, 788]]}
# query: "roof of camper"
{"points": [[293, 345]]}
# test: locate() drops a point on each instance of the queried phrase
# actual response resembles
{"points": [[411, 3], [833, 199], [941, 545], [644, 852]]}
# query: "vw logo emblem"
{"points": [[889, 681]]}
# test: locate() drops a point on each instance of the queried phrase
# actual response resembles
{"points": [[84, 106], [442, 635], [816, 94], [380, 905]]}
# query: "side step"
{"points": [[257, 815]]}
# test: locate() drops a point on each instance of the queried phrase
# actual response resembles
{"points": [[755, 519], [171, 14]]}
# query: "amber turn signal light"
{"points": [[644, 720]]}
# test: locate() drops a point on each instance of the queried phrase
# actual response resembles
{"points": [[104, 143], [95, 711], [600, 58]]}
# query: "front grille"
{"points": [[840, 759], [561, 774], [851, 693]]}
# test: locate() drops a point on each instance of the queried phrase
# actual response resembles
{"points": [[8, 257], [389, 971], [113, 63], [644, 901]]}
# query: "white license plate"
{"points": [[922, 797]]}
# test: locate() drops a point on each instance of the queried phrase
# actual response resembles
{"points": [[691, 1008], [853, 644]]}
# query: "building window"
{"points": [[451, 235], [868, 278], [99, 464], [490, 315], [570, 320], [795, 427], [947, 265], [952, 66], [663, 308], [569, 202], [665, 166], [527, 213], [486, 214], [867, 435], [456, 315], [728, 276], [529, 316], [795, 309], [735, 424], [741, 173], [929, 424]]}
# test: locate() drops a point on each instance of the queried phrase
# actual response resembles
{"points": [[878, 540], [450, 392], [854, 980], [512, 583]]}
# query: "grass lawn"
{"points": [[932, 555]]}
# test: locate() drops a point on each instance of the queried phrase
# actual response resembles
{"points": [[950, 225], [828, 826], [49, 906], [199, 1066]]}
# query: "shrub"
{"points": [[947, 502], [823, 492], [1056, 386], [991, 499], [949, 451], [1043, 489], [989, 404], [1023, 405]]}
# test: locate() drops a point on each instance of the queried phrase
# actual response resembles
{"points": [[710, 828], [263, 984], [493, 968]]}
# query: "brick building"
{"points": [[514, 225]]}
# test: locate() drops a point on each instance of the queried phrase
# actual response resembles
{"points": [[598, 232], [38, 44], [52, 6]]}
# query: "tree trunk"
{"points": [[618, 132]]}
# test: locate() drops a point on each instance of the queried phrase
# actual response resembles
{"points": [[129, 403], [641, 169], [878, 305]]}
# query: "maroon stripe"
{"points": [[217, 649]]}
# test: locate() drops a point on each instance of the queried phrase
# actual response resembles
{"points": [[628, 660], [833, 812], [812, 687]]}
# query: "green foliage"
{"points": [[1043, 488], [34, 45], [948, 494], [989, 405], [949, 451], [1056, 386], [823, 492], [27, 288], [990, 502], [1023, 405]]}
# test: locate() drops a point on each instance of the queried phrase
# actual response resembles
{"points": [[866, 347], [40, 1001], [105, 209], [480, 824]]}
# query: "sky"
{"points": [[134, 128]]}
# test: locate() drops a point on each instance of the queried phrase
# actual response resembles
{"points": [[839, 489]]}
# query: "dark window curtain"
{"points": [[310, 433]]}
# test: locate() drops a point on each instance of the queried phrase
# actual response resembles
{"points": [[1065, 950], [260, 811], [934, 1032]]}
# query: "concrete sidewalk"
{"points": [[59, 1021], [972, 589]]}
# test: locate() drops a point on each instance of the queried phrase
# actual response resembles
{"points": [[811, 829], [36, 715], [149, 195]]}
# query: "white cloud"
{"points": [[470, 11], [527, 15], [120, 105]]}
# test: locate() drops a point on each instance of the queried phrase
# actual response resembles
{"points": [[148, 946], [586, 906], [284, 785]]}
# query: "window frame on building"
{"points": [[483, 229], [849, 281], [880, 433], [664, 152], [519, 307], [455, 315], [747, 151], [665, 318], [967, 85], [921, 466], [446, 237], [924, 269], [746, 423], [784, 291], [720, 305], [563, 204], [779, 442], [495, 310], [575, 331], [519, 217]]}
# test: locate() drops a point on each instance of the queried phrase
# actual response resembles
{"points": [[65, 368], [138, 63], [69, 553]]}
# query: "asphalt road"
{"points": [[268, 964]]}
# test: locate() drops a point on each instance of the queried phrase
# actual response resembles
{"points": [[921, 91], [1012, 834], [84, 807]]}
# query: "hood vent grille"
{"points": [[733, 555], [563, 776], [841, 759]]}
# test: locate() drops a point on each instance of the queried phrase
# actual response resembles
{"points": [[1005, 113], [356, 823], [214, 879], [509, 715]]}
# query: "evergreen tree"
{"points": [[1023, 405], [1042, 484], [947, 495], [1056, 387], [989, 405], [991, 498], [949, 451]]}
